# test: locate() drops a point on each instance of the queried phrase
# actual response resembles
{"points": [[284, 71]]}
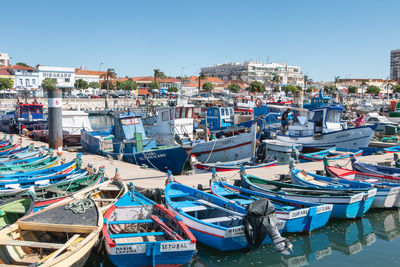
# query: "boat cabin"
{"points": [[73, 121], [171, 123], [219, 117], [29, 112], [129, 134], [320, 101], [318, 121], [243, 104]]}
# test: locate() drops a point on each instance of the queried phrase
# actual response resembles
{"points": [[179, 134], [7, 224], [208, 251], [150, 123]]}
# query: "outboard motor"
{"points": [[261, 221], [261, 153]]}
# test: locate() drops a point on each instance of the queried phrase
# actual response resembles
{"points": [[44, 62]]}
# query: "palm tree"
{"points": [[239, 77], [158, 74], [363, 85], [109, 75], [336, 81], [307, 80], [387, 84], [202, 76]]}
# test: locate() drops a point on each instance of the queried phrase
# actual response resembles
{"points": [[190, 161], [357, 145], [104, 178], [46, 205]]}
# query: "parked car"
{"points": [[95, 96]]}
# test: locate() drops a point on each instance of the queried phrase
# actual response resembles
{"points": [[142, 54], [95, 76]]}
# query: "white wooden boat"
{"points": [[58, 236], [282, 147]]}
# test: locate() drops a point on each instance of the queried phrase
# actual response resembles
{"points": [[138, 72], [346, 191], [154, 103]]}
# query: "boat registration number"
{"points": [[233, 232], [177, 246], [298, 213], [128, 249], [324, 208]]}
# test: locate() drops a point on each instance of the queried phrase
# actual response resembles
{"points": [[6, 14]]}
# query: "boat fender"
{"points": [[260, 220], [258, 102]]}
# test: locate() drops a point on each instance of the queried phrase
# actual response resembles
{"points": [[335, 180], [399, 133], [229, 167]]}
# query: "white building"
{"points": [[256, 71], [395, 65], [4, 60], [65, 76], [87, 75], [26, 78]]}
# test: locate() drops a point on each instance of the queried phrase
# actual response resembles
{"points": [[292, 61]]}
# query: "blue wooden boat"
{"points": [[393, 149], [60, 169], [301, 177], [16, 152], [214, 222], [387, 195], [127, 140], [331, 154], [139, 232], [346, 204], [374, 169], [234, 166], [299, 216]]}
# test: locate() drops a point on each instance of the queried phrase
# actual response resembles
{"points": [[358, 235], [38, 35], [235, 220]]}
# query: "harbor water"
{"points": [[372, 241]]}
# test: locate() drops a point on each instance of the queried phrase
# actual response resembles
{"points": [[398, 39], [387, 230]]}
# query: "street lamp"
{"points": [[99, 74]]}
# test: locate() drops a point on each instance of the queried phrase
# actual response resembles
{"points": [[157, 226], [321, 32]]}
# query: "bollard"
{"points": [[55, 119]]}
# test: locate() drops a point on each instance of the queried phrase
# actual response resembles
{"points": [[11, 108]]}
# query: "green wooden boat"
{"points": [[14, 209], [47, 195], [31, 166]]}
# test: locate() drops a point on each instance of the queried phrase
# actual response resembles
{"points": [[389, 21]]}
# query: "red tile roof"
{"points": [[88, 72], [208, 79], [4, 72], [17, 67]]}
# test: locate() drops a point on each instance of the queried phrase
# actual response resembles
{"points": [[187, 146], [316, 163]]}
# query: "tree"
{"points": [[307, 80], [49, 84], [276, 80], [173, 89], [290, 88], [202, 76], [94, 85], [363, 85], [352, 89], [106, 85], [256, 86], [158, 74], [23, 64], [396, 88], [81, 84], [329, 89], [129, 85], [108, 77], [372, 89], [336, 81], [6, 83], [276, 89], [208, 86], [387, 84], [239, 77], [234, 88]]}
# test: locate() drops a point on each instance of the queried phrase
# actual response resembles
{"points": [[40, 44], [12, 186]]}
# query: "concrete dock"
{"points": [[149, 178]]}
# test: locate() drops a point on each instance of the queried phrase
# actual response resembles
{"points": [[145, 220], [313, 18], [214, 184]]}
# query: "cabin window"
{"points": [[190, 113], [164, 115], [222, 112], [333, 115], [130, 121], [184, 113]]}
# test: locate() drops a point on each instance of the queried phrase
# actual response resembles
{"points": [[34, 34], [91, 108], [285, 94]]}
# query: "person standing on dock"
{"points": [[284, 120]]}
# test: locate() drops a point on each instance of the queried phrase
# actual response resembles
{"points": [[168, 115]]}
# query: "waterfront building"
{"points": [[381, 83], [65, 76], [25, 78], [88, 75], [395, 65], [256, 71], [5, 73], [4, 60]]}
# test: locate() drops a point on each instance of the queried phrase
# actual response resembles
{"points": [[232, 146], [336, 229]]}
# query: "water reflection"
{"points": [[385, 224]]}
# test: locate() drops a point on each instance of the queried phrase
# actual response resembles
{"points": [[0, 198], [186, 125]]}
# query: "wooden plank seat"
{"points": [[56, 191], [221, 219], [210, 204], [136, 235], [31, 244], [193, 208], [173, 193]]}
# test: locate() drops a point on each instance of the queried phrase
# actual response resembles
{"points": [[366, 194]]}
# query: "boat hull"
{"points": [[352, 138]]}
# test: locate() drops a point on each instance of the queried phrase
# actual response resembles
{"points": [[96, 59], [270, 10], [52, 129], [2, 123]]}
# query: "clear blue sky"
{"points": [[325, 38]]}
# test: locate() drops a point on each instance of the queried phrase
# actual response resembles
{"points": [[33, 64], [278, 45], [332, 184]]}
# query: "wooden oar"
{"points": [[58, 251]]}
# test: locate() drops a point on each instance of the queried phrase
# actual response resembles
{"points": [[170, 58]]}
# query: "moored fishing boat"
{"points": [[393, 149], [302, 177], [388, 190], [61, 235], [331, 154], [216, 222], [13, 209], [298, 216], [139, 232], [346, 204], [27, 165], [374, 169]]}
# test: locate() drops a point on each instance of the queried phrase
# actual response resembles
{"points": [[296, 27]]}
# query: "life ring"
{"points": [[138, 103], [258, 102]]}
